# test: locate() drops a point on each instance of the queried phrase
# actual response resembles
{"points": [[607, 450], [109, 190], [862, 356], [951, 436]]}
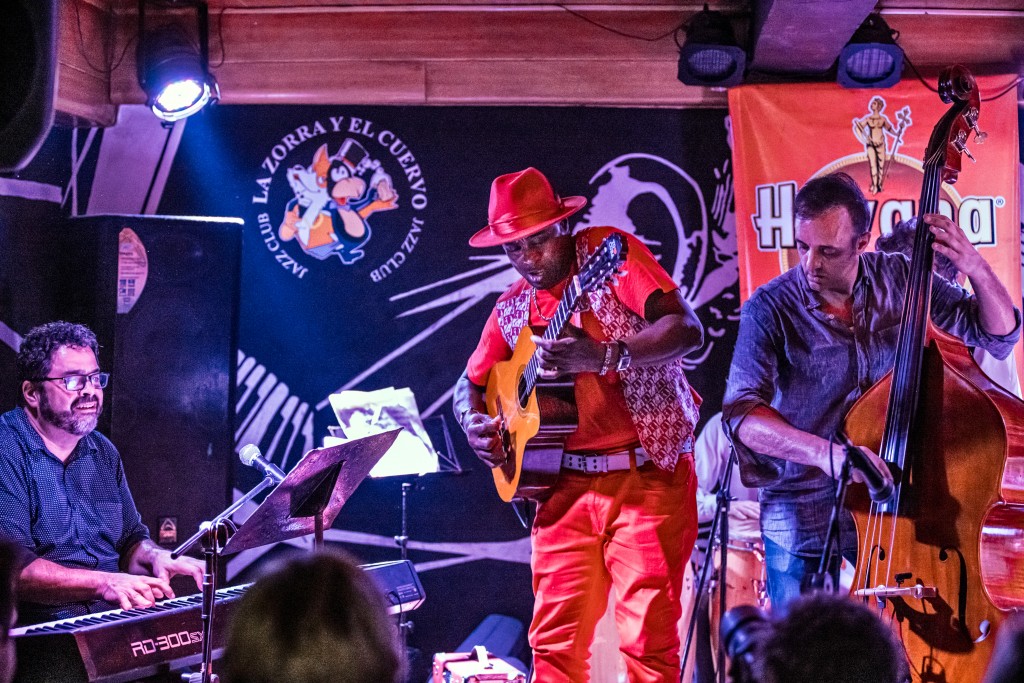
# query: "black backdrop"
{"points": [[310, 326], [407, 312]]}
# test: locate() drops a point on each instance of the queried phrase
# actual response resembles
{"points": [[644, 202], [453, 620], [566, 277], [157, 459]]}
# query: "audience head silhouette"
{"points": [[316, 619]]}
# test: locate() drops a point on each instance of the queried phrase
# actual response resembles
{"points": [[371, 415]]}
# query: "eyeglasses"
{"points": [[98, 380]]}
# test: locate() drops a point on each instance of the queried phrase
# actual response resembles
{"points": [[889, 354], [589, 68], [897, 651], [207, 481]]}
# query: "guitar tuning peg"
{"points": [[979, 135]]}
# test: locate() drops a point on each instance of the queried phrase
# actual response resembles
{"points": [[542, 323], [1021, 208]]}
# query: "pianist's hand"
{"points": [[163, 567], [149, 559], [131, 590]]}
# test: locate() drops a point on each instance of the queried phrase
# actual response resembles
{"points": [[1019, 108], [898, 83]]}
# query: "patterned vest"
{"points": [[660, 401]]}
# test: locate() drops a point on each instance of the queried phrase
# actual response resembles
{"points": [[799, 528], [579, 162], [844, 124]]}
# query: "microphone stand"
{"points": [[214, 535], [405, 626], [823, 579], [719, 526]]}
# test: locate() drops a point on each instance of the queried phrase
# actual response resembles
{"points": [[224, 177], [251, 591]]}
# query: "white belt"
{"points": [[609, 462]]}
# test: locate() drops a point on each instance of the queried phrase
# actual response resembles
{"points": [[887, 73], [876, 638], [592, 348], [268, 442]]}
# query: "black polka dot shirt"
{"points": [[77, 513]]}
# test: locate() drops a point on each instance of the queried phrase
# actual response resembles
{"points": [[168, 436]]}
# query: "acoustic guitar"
{"points": [[537, 418]]}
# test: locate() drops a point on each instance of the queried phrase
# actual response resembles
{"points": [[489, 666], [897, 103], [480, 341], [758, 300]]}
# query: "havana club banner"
{"points": [[787, 134], [783, 135]]}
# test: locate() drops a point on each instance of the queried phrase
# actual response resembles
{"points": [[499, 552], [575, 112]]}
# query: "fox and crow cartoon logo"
{"points": [[329, 187], [329, 215]]}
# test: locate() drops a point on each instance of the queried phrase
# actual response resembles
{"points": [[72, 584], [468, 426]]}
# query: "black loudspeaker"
{"points": [[161, 294], [28, 62]]}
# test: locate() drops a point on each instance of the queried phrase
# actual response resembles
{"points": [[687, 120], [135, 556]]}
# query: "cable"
{"points": [[1017, 81], [220, 39], [617, 32], [81, 44], [917, 73]]}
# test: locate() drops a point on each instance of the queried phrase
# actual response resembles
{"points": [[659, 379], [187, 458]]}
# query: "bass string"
{"points": [[881, 513]]}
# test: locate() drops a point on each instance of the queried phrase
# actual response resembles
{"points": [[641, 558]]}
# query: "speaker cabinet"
{"points": [[28, 62]]}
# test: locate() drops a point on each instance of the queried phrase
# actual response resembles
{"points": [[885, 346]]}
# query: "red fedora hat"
{"points": [[521, 205]]}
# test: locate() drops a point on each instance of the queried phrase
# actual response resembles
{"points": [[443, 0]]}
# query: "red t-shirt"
{"points": [[604, 420]]}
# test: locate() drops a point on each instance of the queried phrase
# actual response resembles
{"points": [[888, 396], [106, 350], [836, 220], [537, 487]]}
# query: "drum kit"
{"points": [[742, 583], [745, 583]]}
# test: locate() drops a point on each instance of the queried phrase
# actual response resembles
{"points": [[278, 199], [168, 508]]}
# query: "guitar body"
{"points": [[531, 435]]}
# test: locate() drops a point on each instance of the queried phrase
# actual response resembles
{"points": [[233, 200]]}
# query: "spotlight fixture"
{"points": [[173, 62], [871, 59], [710, 55]]}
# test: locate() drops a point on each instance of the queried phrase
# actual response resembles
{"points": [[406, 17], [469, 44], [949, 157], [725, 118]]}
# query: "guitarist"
{"points": [[623, 512]]}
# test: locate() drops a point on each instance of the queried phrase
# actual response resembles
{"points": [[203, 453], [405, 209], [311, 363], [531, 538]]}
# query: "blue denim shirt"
{"points": [[77, 513], [811, 368]]}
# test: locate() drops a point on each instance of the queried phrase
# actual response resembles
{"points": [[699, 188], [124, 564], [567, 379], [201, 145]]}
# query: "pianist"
{"points": [[64, 501]]}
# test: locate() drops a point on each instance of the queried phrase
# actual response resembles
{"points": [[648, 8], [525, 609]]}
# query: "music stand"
{"points": [[305, 501], [311, 496]]}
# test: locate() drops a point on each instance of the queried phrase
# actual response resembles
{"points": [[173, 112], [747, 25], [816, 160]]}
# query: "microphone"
{"points": [[251, 456], [878, 479]]}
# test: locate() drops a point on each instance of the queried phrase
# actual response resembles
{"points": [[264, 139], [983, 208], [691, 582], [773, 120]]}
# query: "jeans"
{"points": [[788, 573]]}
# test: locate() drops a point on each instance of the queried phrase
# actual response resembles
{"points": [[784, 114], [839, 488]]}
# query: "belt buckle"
{"points": [[599, 462]]}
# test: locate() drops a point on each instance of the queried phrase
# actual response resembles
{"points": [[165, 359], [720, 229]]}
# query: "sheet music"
{"points": [[362, 413]]}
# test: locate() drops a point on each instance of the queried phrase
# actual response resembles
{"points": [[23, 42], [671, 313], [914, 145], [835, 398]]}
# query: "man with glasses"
{"points": [[64, 500]]}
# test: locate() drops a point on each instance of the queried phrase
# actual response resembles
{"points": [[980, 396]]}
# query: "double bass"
{"points": [[943, 560]]}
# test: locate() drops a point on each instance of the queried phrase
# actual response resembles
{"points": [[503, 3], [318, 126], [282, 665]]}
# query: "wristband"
{"points": [[462, 417], [606, 364]]}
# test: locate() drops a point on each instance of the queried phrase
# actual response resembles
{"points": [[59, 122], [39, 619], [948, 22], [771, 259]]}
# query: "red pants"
{"points": [[631, 530]]}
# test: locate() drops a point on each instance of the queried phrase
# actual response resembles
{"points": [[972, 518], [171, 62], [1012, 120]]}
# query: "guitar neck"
{"points": [[571, 296]]}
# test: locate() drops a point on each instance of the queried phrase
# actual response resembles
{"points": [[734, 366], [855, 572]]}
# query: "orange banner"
{"points": [[784, 135]]}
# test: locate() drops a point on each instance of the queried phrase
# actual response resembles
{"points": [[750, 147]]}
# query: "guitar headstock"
{"points": [[603, 263], [949, 138]]}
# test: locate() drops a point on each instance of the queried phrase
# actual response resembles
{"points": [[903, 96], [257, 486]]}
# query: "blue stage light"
{"points": [[710, 56], [871, 59]]}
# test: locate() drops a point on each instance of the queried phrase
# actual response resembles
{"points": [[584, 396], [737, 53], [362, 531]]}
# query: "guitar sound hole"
{"points": [[522, 393]]}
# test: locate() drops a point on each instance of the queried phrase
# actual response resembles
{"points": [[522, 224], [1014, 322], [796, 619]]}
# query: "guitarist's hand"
{"points": [[482, 434], [570, 354]]}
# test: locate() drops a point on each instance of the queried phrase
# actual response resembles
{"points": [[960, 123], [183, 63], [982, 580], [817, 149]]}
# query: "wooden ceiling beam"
{"points": [[83, 64], [450, 55], [501, 51]]}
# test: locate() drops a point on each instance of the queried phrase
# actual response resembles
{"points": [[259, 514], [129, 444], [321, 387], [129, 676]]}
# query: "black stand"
{"points": [[214, 535], [405, 626], [719, 535], [308, 499], [311, 495], [823, 580]]}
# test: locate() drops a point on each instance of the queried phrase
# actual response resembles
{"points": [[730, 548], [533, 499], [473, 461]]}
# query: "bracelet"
{"points": [[606, 364]]}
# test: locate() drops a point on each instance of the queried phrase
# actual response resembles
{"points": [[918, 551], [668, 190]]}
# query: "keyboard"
{"points": [[124, 645]]}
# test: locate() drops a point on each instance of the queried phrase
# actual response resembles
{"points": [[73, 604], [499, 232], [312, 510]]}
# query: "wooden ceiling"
{"points": [[615, 53]]}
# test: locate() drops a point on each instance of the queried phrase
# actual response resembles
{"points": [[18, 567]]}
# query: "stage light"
{"points": [[173, 64], [871, 59], [710, 55]]}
